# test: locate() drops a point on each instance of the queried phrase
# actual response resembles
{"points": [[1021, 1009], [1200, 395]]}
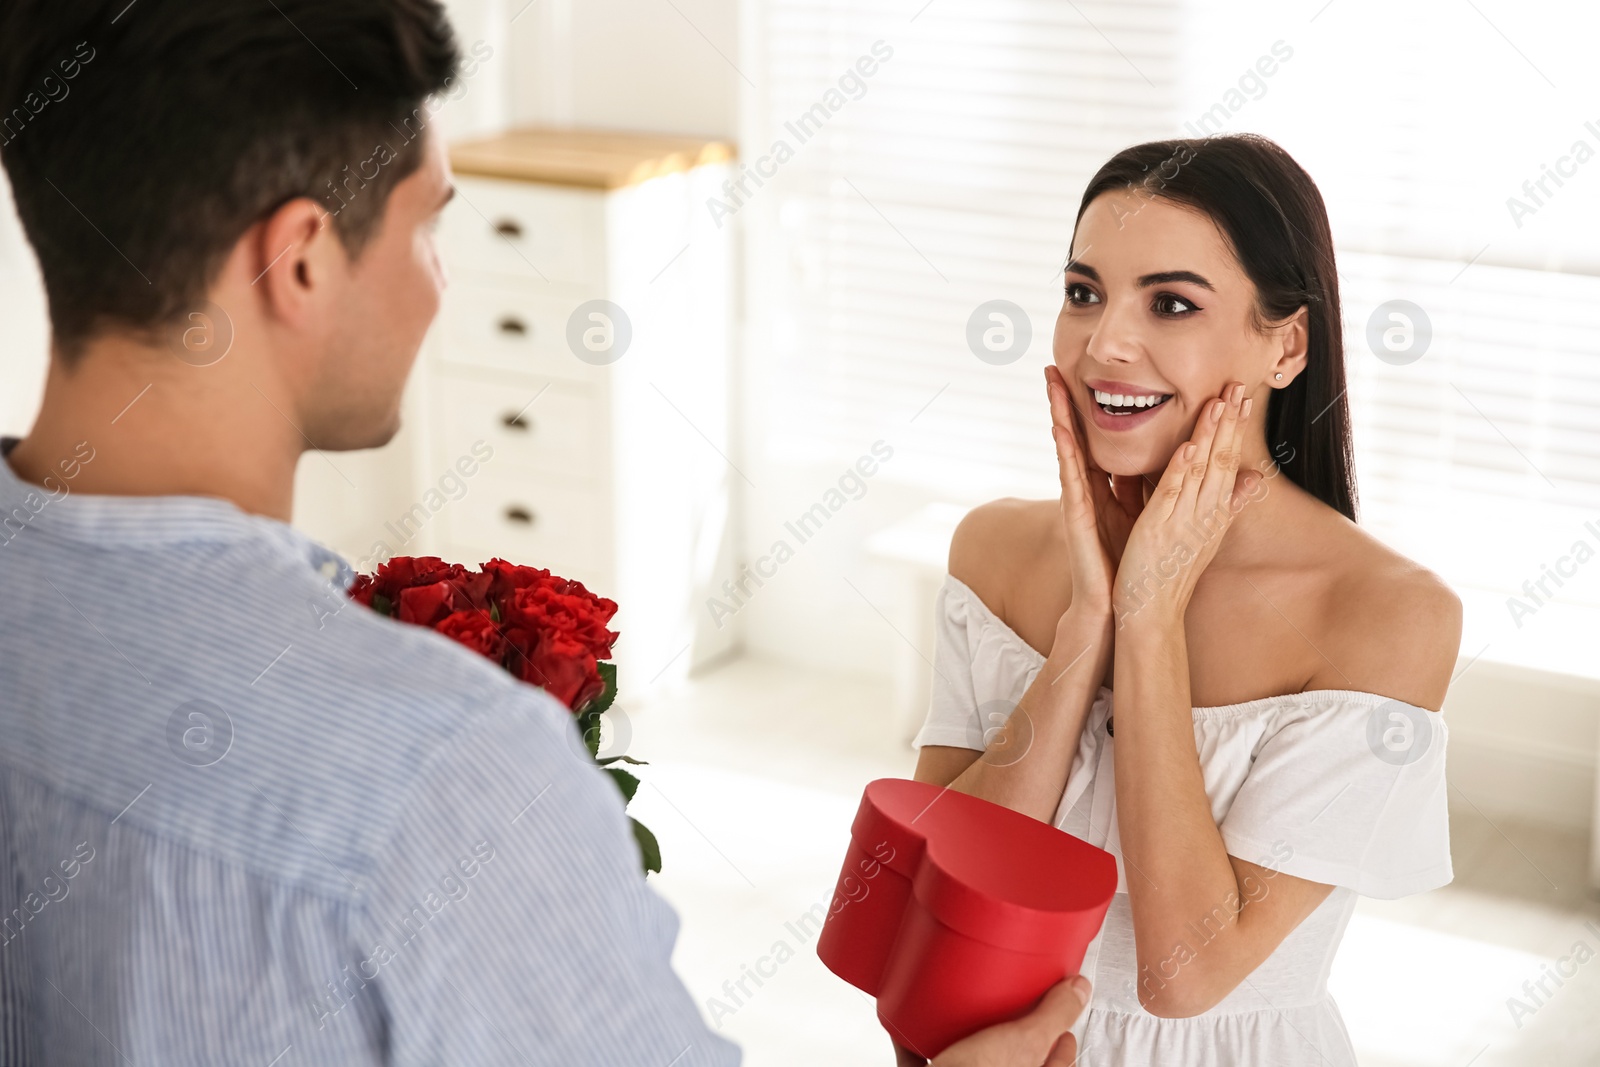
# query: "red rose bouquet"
{"points": [[544, 629]]}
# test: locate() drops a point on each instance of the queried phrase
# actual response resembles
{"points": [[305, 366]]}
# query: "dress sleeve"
{"points": [[1348, 789], [980, 671], [953, 717]]}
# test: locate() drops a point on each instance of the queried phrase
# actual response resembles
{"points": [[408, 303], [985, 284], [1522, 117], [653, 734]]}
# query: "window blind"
{"points": [[952, 175]]}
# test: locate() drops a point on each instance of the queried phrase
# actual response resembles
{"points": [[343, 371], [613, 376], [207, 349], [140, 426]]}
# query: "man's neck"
{"points": [[160, 427]]}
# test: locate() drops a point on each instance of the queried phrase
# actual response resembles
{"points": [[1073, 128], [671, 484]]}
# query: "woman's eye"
{"points": [[1172, 304], [1078, 293]]}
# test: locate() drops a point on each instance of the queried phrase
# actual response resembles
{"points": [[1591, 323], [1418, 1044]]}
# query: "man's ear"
{"points": [[299, 260], [1294, 337]]}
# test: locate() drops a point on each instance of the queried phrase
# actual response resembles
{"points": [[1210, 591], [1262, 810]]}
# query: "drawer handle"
{"points": [[513, 326], [514, 421], [519, 515], [510, 229]]}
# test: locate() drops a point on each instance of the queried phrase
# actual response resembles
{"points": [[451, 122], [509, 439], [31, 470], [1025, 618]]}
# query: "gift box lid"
{"points": [[991, 873]]}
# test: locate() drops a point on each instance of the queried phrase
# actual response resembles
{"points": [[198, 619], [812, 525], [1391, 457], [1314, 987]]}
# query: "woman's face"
{"points": [[1159, 313]]}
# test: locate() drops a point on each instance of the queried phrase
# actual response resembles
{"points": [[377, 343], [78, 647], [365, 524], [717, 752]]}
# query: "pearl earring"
{"points": [[1278, 376]]}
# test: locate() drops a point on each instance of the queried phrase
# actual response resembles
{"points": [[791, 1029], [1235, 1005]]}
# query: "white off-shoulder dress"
{"points": [[1336, 786]]}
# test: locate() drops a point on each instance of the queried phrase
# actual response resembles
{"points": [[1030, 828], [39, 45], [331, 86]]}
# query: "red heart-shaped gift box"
{"points": [[957, 913]]}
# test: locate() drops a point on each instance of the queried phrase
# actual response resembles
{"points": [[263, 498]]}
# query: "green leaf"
{"points": [[623, 759], [625, 782], [649, 847], [608, 675], [382, 604]]}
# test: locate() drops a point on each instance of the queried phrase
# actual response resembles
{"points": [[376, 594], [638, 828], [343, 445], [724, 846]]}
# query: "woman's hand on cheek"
{"points": [[1117, 498], [1089, 558], [1181, 528]]}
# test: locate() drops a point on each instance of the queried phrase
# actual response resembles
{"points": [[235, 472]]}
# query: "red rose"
{"points": [[362, 588], [403, 572], [547, 630], [556, 639], [428, 605], [473, 628], [565, 669], [542, 608], [506, 578], [599, 607], [461, 588]]}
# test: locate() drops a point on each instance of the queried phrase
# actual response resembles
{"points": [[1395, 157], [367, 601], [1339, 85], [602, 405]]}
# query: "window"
{"points": [[1462, 174]]}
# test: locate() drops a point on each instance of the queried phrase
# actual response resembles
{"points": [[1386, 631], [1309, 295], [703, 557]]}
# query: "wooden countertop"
{"points": [[591, 159]]}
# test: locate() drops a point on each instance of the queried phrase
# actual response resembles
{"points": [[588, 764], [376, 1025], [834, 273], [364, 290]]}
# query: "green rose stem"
{"points": [[589, 727]]}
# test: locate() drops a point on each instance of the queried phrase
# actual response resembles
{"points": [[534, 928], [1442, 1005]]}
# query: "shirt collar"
{"points": [[27, 509]]}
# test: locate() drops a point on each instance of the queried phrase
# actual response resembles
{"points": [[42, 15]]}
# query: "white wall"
{"points": [[24, 323], [656, 66]]}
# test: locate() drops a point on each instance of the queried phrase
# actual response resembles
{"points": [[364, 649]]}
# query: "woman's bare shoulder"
{"points": [[1391, 627], [997, 543]]}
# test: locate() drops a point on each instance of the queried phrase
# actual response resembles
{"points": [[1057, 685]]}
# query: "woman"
{"points": [[1276, 748]]}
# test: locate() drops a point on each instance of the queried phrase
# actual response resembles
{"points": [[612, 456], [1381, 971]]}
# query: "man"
{"points": [[240, 822]]}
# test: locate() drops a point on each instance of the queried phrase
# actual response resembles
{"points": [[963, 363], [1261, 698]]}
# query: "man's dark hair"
{"points": [[142, 139]]}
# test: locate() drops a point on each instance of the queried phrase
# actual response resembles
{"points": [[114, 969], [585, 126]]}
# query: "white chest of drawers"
{"points": [[579, 370]]}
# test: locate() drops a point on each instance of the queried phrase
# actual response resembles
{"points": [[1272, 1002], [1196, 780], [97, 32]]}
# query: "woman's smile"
{"points": [[1118, 405]]}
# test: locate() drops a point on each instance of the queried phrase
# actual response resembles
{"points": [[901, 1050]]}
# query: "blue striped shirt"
{"points": [[243, 820]]}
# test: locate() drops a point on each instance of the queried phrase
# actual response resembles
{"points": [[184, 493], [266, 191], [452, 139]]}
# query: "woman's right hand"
{"points": [[1092, 515]]}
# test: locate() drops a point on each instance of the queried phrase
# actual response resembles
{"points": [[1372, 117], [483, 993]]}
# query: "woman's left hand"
{"points": [[1181, 527]]}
